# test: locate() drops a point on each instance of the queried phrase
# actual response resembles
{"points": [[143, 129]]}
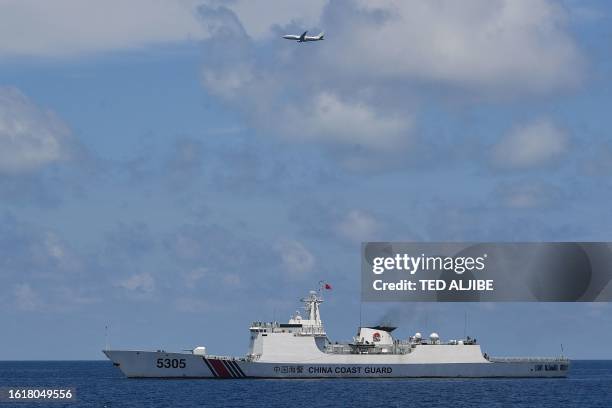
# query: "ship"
{"points": [[301, 348]]}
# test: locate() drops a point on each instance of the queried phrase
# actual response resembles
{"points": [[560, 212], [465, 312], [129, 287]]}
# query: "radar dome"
{"points": [[417, 336], [434, 337]]}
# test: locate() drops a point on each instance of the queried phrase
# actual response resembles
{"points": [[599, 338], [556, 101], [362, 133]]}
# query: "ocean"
{"points": [[99, 384]]}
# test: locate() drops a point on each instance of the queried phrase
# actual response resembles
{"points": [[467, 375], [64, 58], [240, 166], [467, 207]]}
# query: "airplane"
{"points": [[304, 37]]}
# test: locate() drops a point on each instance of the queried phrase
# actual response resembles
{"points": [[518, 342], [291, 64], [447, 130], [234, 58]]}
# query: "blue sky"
{"points": [[183, 171]]}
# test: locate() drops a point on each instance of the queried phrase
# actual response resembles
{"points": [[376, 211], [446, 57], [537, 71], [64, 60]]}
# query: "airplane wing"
{"points": [[303, 36]]}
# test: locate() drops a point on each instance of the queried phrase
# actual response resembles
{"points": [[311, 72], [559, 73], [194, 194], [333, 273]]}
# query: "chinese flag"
{"points": [[327, 286]]}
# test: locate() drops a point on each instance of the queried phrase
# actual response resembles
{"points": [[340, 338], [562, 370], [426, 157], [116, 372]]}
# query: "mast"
{"points": [[311, 306]]}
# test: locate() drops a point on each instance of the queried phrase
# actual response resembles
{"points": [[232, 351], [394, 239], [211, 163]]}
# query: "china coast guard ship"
{"points": [[301, 349]]}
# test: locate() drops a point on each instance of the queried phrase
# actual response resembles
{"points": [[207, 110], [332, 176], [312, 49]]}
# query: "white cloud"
{"points": [[486, 45], [358, 226], [72, 27], [328, 119], [531, 145], [69, 27], [482, 45], [296, 258], [260, 17], [30, 137], [193, 277], [279, 101], [26, 298], [228, 83], [41, 270], [359, 92], [29, 250], [142, 283], [322, 116], [53, 250]]}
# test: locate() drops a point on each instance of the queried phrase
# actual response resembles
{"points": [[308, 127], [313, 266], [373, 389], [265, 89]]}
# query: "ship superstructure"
{"points": [[300, 348]]}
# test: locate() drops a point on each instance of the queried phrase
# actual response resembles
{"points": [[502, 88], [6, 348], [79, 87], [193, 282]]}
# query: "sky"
{"points": [[175, 170]]}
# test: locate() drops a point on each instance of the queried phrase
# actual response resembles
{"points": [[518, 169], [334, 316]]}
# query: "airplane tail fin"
{"points": [[321, 35]]}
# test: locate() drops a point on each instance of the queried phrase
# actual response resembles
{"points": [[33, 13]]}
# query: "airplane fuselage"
{"points": [[298, 39], [304, 37]]}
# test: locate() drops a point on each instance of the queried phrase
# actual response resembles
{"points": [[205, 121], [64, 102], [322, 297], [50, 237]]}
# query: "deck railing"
{"points": [[215, 357], [528, 359]]}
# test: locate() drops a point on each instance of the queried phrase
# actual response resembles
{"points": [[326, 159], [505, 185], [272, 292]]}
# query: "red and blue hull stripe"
{"points": [[221, 368]]}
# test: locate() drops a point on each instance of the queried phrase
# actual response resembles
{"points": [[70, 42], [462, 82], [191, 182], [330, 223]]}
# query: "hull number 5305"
{"points": [[171, 363]]}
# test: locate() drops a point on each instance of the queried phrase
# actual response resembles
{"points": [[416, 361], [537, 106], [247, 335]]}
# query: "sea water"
{"points": [[99, 384]]}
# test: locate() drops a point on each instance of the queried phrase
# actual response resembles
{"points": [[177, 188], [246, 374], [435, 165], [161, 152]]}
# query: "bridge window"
{"points": [[551, 367], [563, 367]]}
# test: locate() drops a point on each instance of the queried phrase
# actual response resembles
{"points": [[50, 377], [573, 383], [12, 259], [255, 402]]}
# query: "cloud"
{"points": [[213, 260], [534, 144], [242, 73], [141, 283], [297, 260], [516, 46], [72, 27], [218, 249], [27, 250], [262, 18], [483, 46], [194, 276], [276, 105], [528, 194], [55, 251], [41, 270], [358, 226], [49, 299], [328, 119], [340, 223], [30, 137], [26, 298], [359, 93]]}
